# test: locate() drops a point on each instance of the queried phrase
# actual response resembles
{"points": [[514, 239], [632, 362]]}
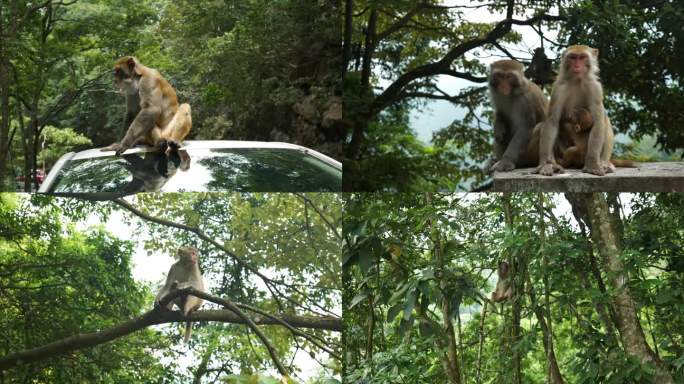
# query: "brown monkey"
{"points": [[504, 288], [519, 105], [578, 87], [577, 126], [153, 116], [183, 273]]}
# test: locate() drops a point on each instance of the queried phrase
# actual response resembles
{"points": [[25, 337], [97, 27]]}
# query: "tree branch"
{"points": [[391, 93], [159, 316]]}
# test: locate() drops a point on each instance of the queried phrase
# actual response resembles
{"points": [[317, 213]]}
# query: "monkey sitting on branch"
{"points": [[183, 273], [504, 286], [153, 116]]}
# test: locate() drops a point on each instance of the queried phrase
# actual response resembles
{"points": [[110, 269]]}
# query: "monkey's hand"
{"points": [[548, 169], [503, 165], [113, 147]]}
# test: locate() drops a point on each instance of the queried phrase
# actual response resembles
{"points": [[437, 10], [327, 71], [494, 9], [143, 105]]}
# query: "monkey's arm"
{"points": [[150, 101], [170, 280]]}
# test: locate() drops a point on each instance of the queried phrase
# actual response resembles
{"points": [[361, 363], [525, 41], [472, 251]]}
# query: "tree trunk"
{"points": [[348, 28], [518, 287], [605, 236]]}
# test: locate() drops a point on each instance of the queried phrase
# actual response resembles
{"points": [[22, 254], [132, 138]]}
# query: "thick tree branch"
{"points": [[159, 316]]}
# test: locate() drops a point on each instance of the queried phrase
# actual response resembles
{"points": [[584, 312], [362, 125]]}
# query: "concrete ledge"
{"points": [[648, 177]]}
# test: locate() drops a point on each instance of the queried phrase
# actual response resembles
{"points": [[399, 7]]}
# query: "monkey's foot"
{"points": [[548, 169], [608, 167], [162, 145], [503, 165], [594, 169], [121, 149], [172, 146]]}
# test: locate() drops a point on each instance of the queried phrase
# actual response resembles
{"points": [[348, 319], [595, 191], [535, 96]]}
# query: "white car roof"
{"points": [[213, 144]]}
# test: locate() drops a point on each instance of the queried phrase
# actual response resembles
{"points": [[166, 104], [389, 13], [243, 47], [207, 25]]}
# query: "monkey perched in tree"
{"points": [[504, 288], [183, 273], [153, 116], [519, 105], [578, 88]]}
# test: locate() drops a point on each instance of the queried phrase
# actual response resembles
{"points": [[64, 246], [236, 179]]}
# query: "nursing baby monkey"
{"points": [[153, 116], [183, 273]]}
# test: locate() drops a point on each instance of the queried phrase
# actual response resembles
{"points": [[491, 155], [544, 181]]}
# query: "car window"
{"points": [[194, 170]]}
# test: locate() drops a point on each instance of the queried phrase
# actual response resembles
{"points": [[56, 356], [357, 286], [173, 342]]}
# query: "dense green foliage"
{"points": [[251, 70], [62, 273], [418, 262], [400, 53]]}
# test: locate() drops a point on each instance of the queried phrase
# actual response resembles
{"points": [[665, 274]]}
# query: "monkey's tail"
{"points": [[188, 331], [624, 163]]}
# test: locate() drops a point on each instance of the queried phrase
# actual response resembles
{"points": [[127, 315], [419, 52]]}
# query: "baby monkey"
{"points": [[576, 125], [183, 273]]}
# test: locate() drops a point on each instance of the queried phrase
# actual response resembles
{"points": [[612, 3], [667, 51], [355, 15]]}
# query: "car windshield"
{"points": [[196, 170]]}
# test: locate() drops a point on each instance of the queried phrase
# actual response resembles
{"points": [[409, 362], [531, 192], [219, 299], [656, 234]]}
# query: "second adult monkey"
{"points": [[578, 88], [183, 273], [153, 116], [519, 105]]}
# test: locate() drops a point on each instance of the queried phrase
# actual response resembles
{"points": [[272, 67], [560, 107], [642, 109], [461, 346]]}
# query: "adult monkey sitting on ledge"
{"points": [[153, 116], [519, 105], [578, 88]]}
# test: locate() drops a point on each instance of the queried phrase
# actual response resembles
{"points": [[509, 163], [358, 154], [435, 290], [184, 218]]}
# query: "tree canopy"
{"points": [[597, 288]]}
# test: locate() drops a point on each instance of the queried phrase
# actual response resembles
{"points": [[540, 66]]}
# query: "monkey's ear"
{"points": [[595, 51], [133, 66]]}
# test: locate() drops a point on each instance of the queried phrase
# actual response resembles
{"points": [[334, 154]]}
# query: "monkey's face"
{"points": [[577, 62], [188, 255], [124, 79], [504, 82]]}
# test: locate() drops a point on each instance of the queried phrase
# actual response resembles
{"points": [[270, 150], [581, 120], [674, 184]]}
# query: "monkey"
{"points": [[153, 116], [504, 288], [540, 70], [577, 87], [577, 125], [519, 105], [183, 273]]}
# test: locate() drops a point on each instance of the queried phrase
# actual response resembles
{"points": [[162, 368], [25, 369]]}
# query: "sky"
{"points": [[151, 269]]}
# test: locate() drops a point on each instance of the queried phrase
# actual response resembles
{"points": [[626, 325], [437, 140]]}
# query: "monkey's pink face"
{"points": [[503, 82], [578, 63]]}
